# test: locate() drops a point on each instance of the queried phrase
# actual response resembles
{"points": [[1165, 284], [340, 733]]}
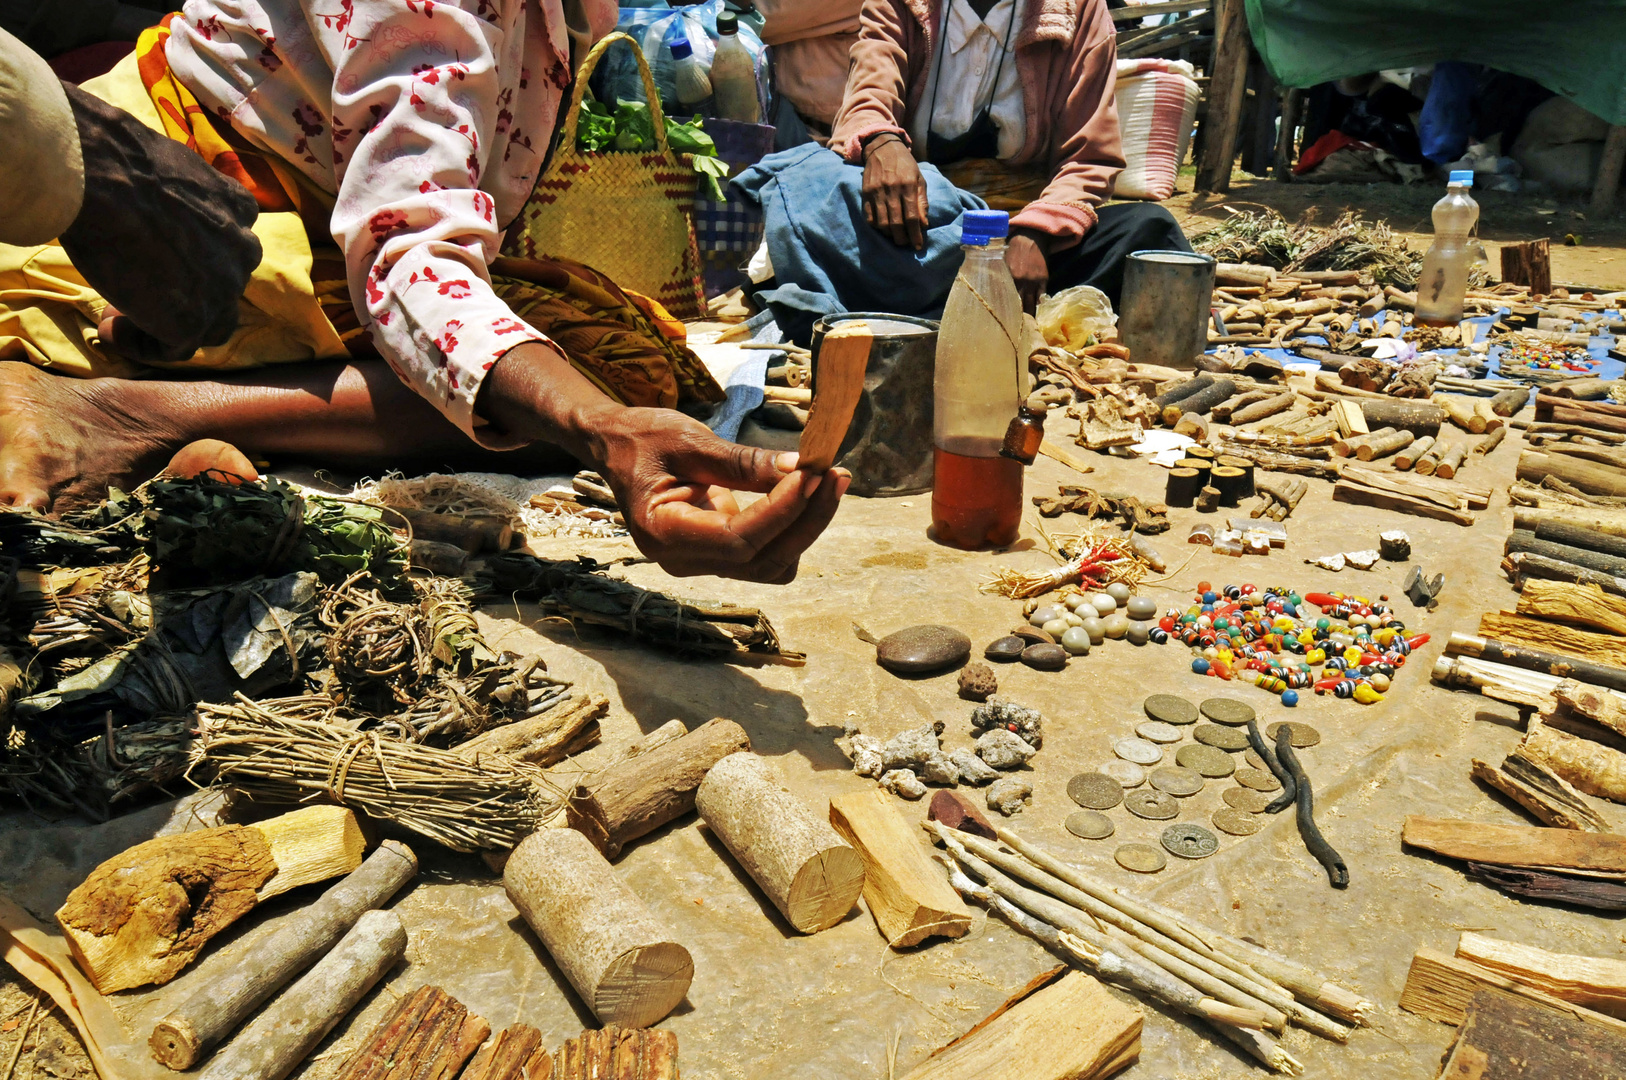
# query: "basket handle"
{"points": [[656, 116]]}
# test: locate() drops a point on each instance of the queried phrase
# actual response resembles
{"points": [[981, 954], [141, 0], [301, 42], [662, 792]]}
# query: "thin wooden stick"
{"points": [[16, 1055]]}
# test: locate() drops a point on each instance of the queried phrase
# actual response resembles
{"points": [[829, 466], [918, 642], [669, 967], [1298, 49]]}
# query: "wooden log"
{"points": [[1509, 1037], [1516, 845], [616, 1054], [277, 1040], [1440, 987], [1587, 476], [515, 1054], [1601, 708], [1584, 389], [1486, 416], [1566, 667], [217, 1008], [1418, 417], [811, 876], [1510, 402], [1598, 519], [1181, 391], [1200, 402], [1583, 605], [1540, 791], [1451, 461], [1590, 410], [428, 1035], [1244, 276], [142, 916], [1606, 649], [1062, 1026], [905, 890], [1489, 442], [1528, 264], [1461, 413], [472, 533], [1410, 454], [1378, 445], [647, 791], [1347, 491], [1592, 982], [1192, 425], [1347, 446], [1519, 540], [838, 382], [1562, 532], [1404, 300], [440, 559], [1596, 421], [1222, 412], [1430, 461], [1590, 767], [567, 729], [626, 963], [1528, 567]]}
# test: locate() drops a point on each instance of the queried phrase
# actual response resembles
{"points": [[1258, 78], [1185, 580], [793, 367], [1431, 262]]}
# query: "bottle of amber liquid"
{"points": [[977, 494]]}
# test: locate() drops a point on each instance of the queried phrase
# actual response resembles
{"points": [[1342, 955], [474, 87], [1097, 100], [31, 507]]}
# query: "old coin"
{"points": [[1300, 735], [1258, 779], [1139, 751], [1005, 650], [1221, 738], [1045, 657], [1141, 858], [1159, 732], [1253, 759], [1237, 822], [1095, 791], [1089, 825], [1127, 773], [1206, 760], [921, 650], [1170, 709], [1177, 781], [1254, 802], [1224, 710], [1153, 804], [1189, 841]]}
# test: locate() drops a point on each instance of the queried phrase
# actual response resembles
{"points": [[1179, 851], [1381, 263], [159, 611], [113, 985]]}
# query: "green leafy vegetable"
{"points": [[631, 128]]}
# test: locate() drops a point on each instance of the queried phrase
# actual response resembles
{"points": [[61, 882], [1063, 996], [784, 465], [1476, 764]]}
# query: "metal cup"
{"points": [[888, 448], [1165, 307]]}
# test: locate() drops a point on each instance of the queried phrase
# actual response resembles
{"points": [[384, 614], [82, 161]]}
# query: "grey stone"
{"points": [[1007, 795], [1003, 749], [973, 770], [1002, 713], [904, 783], [939, 769], [865, 751], [920, 650], [910, 748]]}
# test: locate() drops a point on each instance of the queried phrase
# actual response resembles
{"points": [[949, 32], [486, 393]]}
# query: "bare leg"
{"points": [[63, 441]]}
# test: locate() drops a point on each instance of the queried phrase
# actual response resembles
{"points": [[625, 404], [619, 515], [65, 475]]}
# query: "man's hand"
{"points": [[162, 236], [894, 192], [1025, 255], [673, 478]]}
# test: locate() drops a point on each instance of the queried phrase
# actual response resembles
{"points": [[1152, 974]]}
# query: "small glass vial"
{"points": [[1026, 432]]}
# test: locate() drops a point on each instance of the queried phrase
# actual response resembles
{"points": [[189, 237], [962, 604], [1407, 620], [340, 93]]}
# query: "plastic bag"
{"points": [[654, 28], [1075, 318]]}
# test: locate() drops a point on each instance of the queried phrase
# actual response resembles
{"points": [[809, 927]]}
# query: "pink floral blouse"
{"points": [[428, 120]]}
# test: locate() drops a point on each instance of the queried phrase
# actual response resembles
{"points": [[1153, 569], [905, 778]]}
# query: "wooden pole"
{"points": [[1551, 663], [624, 962], [1227, 89], [217, 1008], [1287, 135], [1609, 169], [1589, 477], [812, 876], [277, 1040], [1519, 540]]}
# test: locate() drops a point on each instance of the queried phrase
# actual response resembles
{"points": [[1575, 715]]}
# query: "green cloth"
{"points": [[1576, 49]]}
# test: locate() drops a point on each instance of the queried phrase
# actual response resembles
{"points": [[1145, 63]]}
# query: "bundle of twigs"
{"points": [[402, 645], [456, 708], [1235, 986], [273, 750], [1086, 559]]}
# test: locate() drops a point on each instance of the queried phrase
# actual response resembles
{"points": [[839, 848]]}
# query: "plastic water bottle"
{"points": [[693, 84], [980, 384], [733, 75], [1443, 283]]}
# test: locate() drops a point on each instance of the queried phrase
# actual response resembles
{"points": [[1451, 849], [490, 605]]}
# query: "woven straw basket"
{"points": [[626, 214]]}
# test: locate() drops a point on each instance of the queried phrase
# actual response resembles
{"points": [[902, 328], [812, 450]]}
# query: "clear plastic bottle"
{"points": [[693, 84], [733, 75], [1443, 282], [980, 384]]}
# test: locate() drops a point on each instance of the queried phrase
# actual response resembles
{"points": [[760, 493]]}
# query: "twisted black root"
{"points": [[1337, 872], [1268, 756]]}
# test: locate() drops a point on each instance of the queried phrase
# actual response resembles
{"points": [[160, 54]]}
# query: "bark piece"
{"points": [[905, 890], [1062, 1026], [1585, 605], [624, 961], [617, 1054], [1529, 264], [645, 792], [1594, 982], [1440, 987], [428, 1035], [838, 381], [278, 1039], [143, 916], [1592, 768], [1509, 1037], [1598, 648], [1543, 793], [1579, 890], [1516, 845], [566, 729], [217, 1008], [811, 876], [958, 812], [515, 1054]]}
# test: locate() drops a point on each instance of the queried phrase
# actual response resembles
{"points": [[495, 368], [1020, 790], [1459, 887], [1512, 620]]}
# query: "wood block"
{"points": [[908, 894], [1508, 1037], [838, 381], [958, 812], [1528, 264], [1595, 982], [1440, 987], [1062, 1026], [1516, 845]]}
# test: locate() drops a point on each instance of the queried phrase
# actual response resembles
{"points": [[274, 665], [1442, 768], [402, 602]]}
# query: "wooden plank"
{"points": [[1227, 89], [1360, 495], [906, 892], [1598, 648], [838, 382], [1167, 7], [1069, 1029], [1609, 169], [1594, 982], [1440, 987], [1509, 1037], [1516, 845]]}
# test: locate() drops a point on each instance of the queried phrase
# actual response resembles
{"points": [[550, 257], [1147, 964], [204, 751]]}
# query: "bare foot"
{"points": [[63, 440], [220, 459]]}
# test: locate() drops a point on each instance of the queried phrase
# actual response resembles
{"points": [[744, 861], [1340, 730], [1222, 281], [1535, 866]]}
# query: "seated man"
{"points": [[1026, 82], [408, 133]]}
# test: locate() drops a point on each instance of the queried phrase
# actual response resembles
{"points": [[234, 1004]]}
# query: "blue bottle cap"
{"points": [[681, 49], [977, 227], [1465, 177]]}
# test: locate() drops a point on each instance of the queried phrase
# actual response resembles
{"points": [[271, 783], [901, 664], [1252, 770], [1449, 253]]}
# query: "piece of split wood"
{"points": [[1516, 845], [1591, 981], [1440, 986], [905, 890], [838, 381]]}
